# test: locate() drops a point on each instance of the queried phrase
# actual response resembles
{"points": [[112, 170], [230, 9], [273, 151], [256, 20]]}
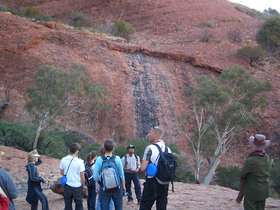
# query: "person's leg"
{"points": [[68, 197], [90, 198], [104, 199], [260, 205], [78, 197], [118, 199], [42, 197], [137, 187], [128, 185], [148, 196], [111, 205], [98, 206], [249, 204], [162, 193], [34, 204]]}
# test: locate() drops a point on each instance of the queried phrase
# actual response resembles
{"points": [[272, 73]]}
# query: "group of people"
{"points": [[254, 185]]}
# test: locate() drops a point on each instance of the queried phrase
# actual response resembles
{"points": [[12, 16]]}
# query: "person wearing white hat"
{"points": [[254, 185], [34, 192]]}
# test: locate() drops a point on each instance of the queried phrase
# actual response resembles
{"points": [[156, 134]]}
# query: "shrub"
{"points": [[17, 135], [123, 29], [251, 54], [3, 8], [31, 12], [120, 150], [269, 36], [206, 36], [183, 171], [45, 18], [228, 177], [234, 36], [77, 19]]}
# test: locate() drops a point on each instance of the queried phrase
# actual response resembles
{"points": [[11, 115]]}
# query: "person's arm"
{"points": [[240, 194], [62, 172], [97, 168], [146, 158], [138, 164], [12, 191], [144, 165], [121, 172], [39, 161], [82, 179]]}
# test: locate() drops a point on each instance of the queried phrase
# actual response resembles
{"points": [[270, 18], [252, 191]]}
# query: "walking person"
{"points": [[90, 164], [131, 165], [75, 184], [109, 172], [153, 190], [255, 173], [9, 189], [35, 191]]}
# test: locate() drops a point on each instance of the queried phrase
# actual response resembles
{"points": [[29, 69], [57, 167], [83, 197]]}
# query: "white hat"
{"points": [[259, 142]]}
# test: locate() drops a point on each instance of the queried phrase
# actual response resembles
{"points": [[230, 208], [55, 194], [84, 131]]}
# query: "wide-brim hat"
{"points": [[259, 142], [33, 153]]}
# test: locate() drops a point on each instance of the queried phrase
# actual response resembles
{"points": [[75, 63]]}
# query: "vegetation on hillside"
{"points": [[221, 108], [56, 91]]}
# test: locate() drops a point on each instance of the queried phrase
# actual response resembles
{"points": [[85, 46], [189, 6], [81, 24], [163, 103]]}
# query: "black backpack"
{"points": [[166, 167], [88, 173]]}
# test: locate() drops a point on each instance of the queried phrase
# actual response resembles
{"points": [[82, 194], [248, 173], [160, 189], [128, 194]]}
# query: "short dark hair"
{"points": [[74, 147], [109, 145]]}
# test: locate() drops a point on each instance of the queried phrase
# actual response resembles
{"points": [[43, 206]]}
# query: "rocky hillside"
{"points": [[147, 76], [186, 196]]}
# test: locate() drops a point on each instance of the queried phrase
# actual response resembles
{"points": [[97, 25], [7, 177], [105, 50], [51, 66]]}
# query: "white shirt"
{"points": [[73, 174], [131, 162]]}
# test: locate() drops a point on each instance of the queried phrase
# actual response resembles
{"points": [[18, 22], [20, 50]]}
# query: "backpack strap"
{"points": [[160, 151]]}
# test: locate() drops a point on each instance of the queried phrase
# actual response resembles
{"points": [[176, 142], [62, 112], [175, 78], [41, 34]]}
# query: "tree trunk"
{"points": [[211, 171], [38, 133]]}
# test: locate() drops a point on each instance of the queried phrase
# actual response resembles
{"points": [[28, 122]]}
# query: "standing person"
{"points": [[254, 184], [8, 187], [110, 168], [34, 192], [97, 186], [91, 200], [153, 191], [131, 165], [75, 183]]}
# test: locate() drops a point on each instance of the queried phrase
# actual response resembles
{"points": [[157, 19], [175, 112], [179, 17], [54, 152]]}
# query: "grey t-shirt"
{"points": [[9, 187]]}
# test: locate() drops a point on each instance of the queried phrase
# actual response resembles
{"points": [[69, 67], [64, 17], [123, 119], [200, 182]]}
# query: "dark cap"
{"points": [[130, 146]]}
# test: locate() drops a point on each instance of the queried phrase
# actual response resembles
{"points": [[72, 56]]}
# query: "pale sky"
{"points": [[260, 4]]}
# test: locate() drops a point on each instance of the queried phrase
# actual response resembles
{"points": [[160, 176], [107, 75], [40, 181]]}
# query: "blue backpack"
{"points": [[110, 179]]}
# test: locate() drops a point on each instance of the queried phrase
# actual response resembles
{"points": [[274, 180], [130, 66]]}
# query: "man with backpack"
{"points": [[131, 165], [159, 164], [109, 173]]}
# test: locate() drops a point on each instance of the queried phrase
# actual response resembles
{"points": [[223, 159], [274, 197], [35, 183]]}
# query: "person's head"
{"points": [[102, 151], [109, 145], [91, 156], [259, 142], [74, 147], [130, 149], [32, 156], [154, 134]]}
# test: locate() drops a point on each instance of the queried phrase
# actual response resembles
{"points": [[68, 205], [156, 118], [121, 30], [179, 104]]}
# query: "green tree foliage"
{"points": [[31, 12], [56, 92], [228, 177], [250, 53], [269, 36], [271, 11], [123, 29], [225, 107], [77, 18]]}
